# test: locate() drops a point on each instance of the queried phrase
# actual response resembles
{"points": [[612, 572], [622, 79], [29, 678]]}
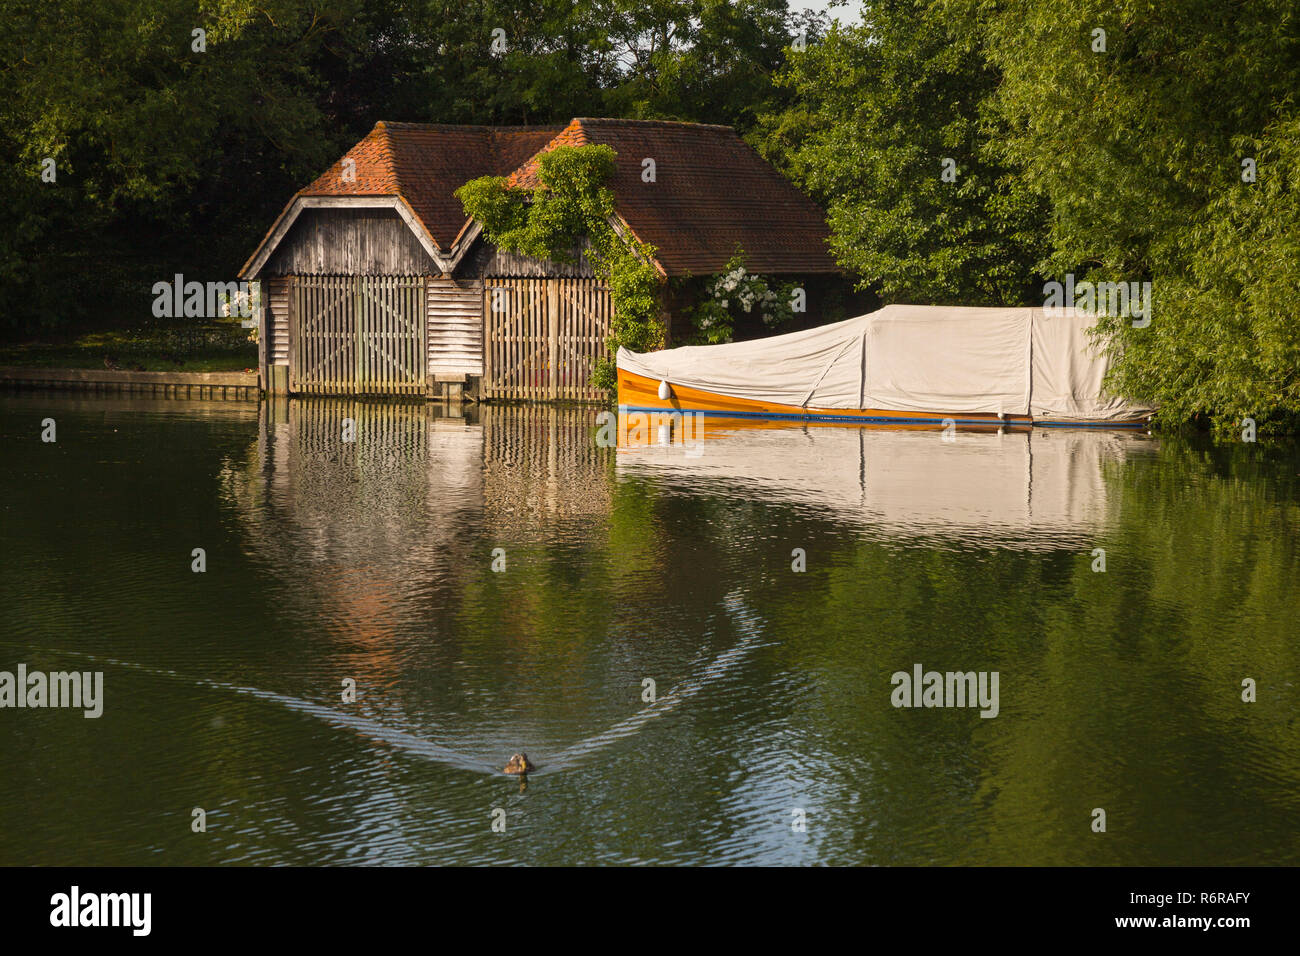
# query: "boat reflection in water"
{"points": [[1017, 488]]}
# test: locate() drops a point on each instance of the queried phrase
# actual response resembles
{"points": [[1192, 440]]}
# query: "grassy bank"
{"points": [[213, 347]]}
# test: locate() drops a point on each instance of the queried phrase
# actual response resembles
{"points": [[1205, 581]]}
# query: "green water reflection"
{"points": [[372, 561]]}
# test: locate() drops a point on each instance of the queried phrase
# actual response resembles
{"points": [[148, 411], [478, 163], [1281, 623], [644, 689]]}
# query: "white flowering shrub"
{"points": [[735, 290]]}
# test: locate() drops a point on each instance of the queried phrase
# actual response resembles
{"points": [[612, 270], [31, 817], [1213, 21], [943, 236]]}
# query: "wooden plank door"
{"points": [[391, 335], [358, 335], [321, 338]]}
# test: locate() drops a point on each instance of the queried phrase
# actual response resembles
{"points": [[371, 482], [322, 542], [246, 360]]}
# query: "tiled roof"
{"points": [[426, 164], [712, 192]]}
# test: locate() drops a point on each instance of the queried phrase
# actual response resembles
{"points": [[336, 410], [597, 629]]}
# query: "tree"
{"points": [[892, 131], [152, 129], [170, 158], [706, 61], [1135, 121], [1226, 338]]}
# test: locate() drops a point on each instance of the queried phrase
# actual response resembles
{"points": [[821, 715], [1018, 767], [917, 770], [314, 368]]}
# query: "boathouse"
{"points": [[374, 281]]}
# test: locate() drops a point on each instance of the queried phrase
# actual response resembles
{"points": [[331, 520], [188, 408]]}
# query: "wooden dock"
{"points": [[230, 386]]}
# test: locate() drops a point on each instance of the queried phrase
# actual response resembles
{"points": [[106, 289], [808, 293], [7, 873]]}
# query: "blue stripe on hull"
{"points": [[877, 419]]}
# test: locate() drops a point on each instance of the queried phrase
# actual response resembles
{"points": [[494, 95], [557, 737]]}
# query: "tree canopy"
{"points": [[892, 131], [1110, 140], [173, 152], [967, 151]]}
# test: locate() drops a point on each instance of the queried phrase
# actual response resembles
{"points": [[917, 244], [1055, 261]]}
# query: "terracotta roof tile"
{"points": [[712, 192], [425, 164]]}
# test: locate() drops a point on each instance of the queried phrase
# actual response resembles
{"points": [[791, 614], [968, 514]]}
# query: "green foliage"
{"points": [[173, 345], [569, 212], [733, 290], [879, 109], [174, 160], [571, 205], [167, 158], [709, 61], [1120, 164], [1225, 336], [1139, 149]]}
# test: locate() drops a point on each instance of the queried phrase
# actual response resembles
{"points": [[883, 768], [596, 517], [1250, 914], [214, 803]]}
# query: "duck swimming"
{"points": [[519, 764]]}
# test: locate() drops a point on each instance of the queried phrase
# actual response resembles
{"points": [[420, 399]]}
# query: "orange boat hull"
{"points": [[636, 393]]}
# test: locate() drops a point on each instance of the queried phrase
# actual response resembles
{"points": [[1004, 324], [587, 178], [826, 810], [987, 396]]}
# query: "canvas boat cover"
{"points": [[912, 358]]}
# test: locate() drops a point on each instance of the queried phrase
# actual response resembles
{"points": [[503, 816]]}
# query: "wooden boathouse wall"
{"points": [[345, 298], [485, 260], [358, 334], [543, 337], [455, 316], [338, 315], [544, 324]]}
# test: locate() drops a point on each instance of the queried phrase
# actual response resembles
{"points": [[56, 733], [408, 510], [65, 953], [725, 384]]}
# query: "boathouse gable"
{"points": [[350, 240]]}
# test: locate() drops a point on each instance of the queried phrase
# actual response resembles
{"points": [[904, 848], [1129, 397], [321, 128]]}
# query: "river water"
{"points": [[694, 641]]}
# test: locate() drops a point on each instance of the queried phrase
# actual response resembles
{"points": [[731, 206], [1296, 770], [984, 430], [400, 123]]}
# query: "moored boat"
{"points": [[909, 366]]}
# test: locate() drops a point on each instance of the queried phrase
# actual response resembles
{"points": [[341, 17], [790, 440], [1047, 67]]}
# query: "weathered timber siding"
{"points": [[485, 260], [455, 315], [277, 326], [350, 242]]}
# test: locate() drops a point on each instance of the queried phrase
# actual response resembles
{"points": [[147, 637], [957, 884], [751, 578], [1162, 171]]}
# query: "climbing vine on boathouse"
{"points": [[572, 205]]}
